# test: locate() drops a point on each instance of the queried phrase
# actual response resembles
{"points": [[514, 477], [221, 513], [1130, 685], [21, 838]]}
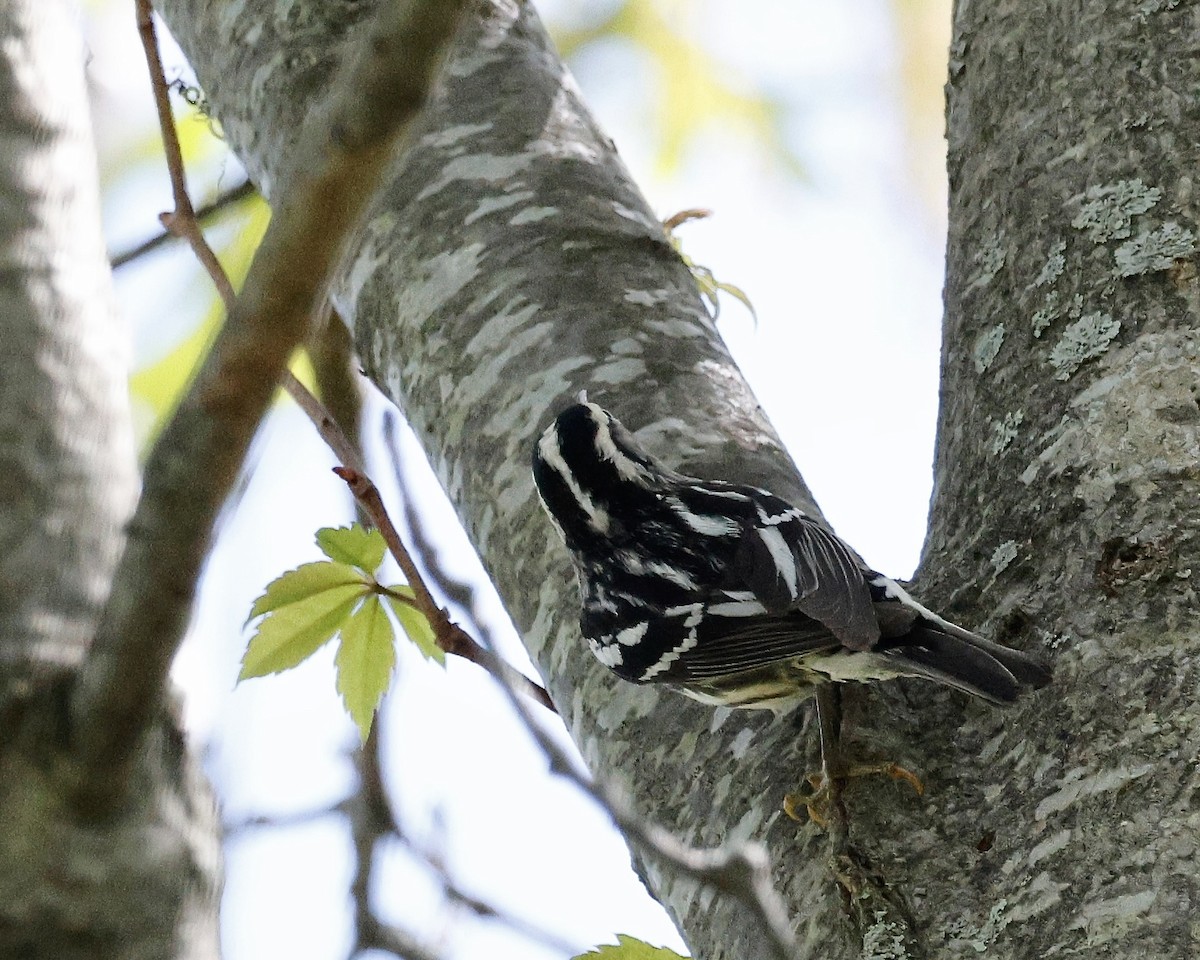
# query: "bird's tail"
{"points": [[948, 654]]}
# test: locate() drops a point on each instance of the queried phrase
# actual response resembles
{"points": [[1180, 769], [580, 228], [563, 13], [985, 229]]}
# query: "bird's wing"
{"points": [[790, 562], [723, 645], [726, 633]]}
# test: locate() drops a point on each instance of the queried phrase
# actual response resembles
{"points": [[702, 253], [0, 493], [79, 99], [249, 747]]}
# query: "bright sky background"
{"points": [[844, 268]]}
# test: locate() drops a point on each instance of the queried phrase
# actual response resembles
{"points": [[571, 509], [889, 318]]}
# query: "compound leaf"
{"points": [[305, 581]]}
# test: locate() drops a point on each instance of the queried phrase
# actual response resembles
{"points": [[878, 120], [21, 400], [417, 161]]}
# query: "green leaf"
{"points": [[305, 581], [419, 630], [355, 545], [738, 294], [364, 661], [291, 634], [709, 287], [629, 948]]}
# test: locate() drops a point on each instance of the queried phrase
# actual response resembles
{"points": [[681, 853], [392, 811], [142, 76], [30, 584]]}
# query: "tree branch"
{"points": [[342, 151], [183, 223]]}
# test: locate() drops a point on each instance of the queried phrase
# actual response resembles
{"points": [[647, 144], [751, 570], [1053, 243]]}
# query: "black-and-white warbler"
{"points": [[732, 594]]}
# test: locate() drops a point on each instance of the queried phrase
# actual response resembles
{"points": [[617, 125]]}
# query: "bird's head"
{"points": [[581, 462]]}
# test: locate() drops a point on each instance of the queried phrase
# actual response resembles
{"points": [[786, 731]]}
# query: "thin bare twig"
{"points": [[229, 198], [393, 940], [182, 221], [372, 820], [280, 820], [457, 591], [740, 870], [342, 152]]}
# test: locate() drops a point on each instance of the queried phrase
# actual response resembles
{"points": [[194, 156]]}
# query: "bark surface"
{"points": [[140, 883]]}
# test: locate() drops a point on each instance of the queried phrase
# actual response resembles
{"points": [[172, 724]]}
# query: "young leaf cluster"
{"points": [[629, 948], [708, 286], [339, 598]]}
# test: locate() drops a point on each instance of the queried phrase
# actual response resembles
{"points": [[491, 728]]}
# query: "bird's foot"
{"points": [[822, 793]]}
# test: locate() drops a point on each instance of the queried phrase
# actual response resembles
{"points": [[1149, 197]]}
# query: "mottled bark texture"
{"points": [[1065, 510], [140, 883], [511, 263]]}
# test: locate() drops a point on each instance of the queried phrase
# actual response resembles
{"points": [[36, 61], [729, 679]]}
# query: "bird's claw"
{"points": [[823, 792]]}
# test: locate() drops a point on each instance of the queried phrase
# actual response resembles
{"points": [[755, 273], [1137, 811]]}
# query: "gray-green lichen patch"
{"points": [[884, 939], [495, 367], [990, 259], [979, 940], [1037, 896], [622, 702], [1108, 211], [1053, 268], [1153, 250], [443, 276], [1003, 555], [451, 136], [987, 346], [1049, 846], [1005, 431], [620, 370], [502, 327], [1087, 337], [636, 216], [478, 168], [1047, 313], [1105, 920], [650, 298], [1148, 8], [741, 743]]}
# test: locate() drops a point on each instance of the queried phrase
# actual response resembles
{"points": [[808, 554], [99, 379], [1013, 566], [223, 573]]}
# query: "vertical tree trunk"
{"points": [[140, 884], [1067, 479]]}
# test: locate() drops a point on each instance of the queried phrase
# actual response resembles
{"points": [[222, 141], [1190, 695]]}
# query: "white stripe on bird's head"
{"points": [[551, 454], [615, 444]]}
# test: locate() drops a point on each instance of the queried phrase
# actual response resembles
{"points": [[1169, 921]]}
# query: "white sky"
{"points": [[845, 273]]}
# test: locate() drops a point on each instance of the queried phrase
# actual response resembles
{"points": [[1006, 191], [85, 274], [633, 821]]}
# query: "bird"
{"points": [[731, 594]]}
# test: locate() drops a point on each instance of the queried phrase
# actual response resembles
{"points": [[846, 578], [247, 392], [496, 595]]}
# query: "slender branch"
{"points": [[457, 591], [685, 216], [393, 940], [342, 152], [182, 221], [519, 925], [742, 871], [229, 198], [276, 821], [372, 819]]}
